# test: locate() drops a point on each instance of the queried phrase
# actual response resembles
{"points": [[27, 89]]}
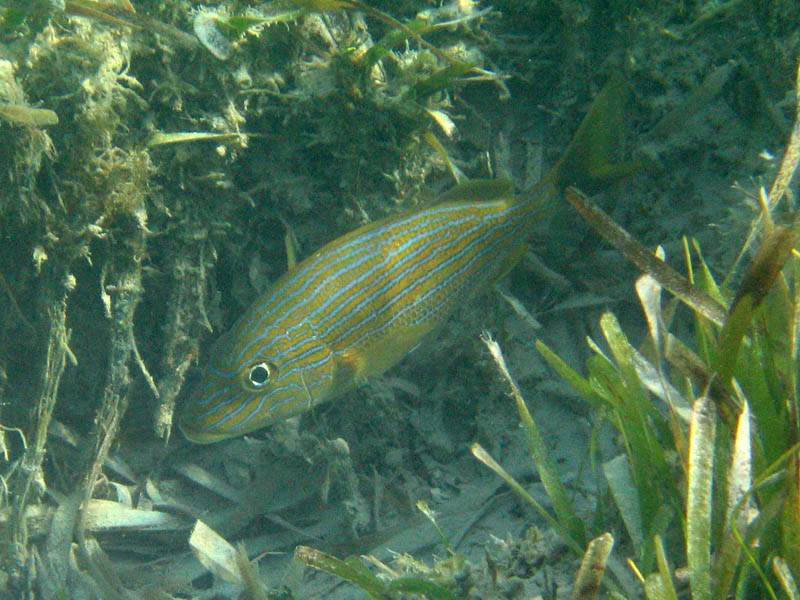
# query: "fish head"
{"points": [[250, 384]]}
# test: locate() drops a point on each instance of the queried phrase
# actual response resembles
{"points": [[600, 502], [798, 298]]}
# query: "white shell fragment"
{"points": [[181, 137], [105, 515], [207, 31], [215, 553]]}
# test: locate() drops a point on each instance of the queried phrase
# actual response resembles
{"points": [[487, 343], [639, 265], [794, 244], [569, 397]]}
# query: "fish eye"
{"points": [[260, 374]]}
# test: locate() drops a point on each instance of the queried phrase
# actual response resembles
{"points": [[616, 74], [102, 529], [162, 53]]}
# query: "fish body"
{"points": [[352, 310], [361, 303]]}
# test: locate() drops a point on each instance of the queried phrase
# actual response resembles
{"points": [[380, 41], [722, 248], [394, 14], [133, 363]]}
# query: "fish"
{"points": [[361, 303]]}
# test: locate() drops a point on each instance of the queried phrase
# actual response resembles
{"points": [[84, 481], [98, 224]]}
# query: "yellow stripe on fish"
{"points": [[361, 303]]}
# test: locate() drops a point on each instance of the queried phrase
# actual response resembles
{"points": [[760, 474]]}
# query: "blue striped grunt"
{"points": [[361, 303]]}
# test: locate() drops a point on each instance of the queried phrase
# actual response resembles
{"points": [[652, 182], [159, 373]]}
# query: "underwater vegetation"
{"points": [[162, 163]]}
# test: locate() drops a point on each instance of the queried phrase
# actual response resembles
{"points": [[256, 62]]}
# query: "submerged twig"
{"points": [[14, 306], [96, 10], [386, 18], [127, 292], [644, 259], [54, 307], [140, 363], [185, 321], [105, 13]]}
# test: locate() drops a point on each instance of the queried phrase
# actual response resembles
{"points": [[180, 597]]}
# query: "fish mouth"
{"points": [[196, 431], [197, 427], [206, 394], [198, 435]]}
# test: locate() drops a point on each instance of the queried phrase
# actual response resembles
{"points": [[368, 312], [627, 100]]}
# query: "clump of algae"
{"points": [[71, 190], [98, 224], [26, 148]]}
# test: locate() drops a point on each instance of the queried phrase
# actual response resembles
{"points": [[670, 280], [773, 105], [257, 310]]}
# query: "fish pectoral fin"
{"points": [[350, 367]]}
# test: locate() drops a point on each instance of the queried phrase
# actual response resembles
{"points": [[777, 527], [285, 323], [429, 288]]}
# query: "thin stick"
{"points": [[643, 258]]}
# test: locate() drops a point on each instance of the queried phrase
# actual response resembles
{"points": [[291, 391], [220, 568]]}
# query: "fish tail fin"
{"points": [[589, 160]]}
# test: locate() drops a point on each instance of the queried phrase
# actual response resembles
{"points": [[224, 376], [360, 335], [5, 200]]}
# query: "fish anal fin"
{"points": [[504, 268]]}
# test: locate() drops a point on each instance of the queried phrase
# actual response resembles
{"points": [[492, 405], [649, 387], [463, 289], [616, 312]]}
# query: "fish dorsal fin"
{"points": [[479, 189], [289, 241], [292, 248]]}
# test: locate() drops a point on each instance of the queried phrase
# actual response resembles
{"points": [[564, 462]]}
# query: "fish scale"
{"points": [[362, 302]]}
